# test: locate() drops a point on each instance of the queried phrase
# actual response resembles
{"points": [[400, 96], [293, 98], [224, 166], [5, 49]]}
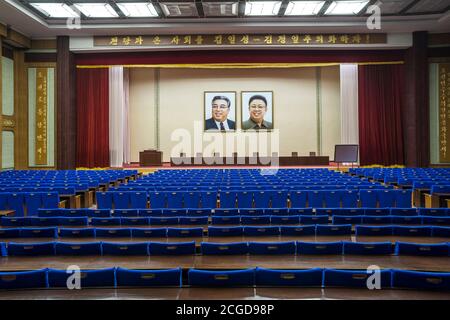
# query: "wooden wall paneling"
{"points": [[43, 44], [20, 111], [66, 106]]}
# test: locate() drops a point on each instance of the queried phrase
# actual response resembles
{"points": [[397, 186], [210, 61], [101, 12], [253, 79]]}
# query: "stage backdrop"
{"points": [[306, 105]]}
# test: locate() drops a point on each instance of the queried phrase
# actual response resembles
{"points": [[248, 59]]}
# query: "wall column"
{"points": [[65, 106], [416, 108]]}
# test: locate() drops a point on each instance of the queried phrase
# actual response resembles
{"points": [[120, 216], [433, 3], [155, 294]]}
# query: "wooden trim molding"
{"points": [[3, 30], [17, 39], [20, 111], [43, 44]]}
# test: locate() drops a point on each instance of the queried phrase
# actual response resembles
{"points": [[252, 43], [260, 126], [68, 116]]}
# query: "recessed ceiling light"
{"points": [[262, 8], [55, 10], [303, 8], [96, 10], [346, 7], [218, 9], [137, 9]]}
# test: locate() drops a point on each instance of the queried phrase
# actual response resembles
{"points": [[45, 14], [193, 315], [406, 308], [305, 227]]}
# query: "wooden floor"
{"points": [[222, 294]]}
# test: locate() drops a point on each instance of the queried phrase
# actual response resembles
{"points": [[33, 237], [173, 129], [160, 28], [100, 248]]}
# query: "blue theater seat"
{"points": [[418, 231], [198, 212], [315, 199], [148, 278], [373, 230], [403, 198], [262, 199], [38, 232], [173, 212], [134, 221], [3, 201], [3, 251], [209, 200], [172, 248], [44, 222], [287, 278], [421, 249], [279, 199], [404, 212], [303, 230], [195, 220], [406, 220], [279, 220], [72, 221], [149, 232], [227, 199], [245, 199], [319, 247], [441, 231], [301, 211], [225, 231], [138, 200], [126, 213], [350, 199], [112, 232], [99, 213], [125, 249], [271, 247], [252, 211], [434, 212], [33, 201], [376, 220], [234, 278], [236, 248], [16, 202], [76, 232], [314, 219], [368, 198], [88, 278], [353, 278], [226, 212], [23, 279], [31, 249], [333, 199], [192, 199], [436, 220], [50, 200], [421, 280], [347, 219], [14, 221], [185, 232], [367, 248], [377, 211], [78, 249], [261, 231], [298, 199], [157, 200], [386, 198], [225, 220], [261, 220], [163, 221], [121, 200], [276, 211], [105, 222], [104, 200], [174, 199], [9, 233], [45, 213], [334, 230]]}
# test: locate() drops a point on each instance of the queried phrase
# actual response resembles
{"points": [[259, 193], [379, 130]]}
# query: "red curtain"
{"points": [[380, 90], [238, 56], [92, 118]]}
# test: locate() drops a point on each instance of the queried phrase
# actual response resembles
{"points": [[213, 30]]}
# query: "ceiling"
{"points": [[212, 16]]}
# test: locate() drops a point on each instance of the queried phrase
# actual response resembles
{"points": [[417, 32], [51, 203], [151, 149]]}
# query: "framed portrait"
{"points": [[220, 111], [257, 110]]}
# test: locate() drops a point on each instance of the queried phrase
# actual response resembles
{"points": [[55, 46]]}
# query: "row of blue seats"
{"points": [[31, 200], [230, 220], [317, 277], [106, 213], [222, 231], [234, 248], [258, 199]]}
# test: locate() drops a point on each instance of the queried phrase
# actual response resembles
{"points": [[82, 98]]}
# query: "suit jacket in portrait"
{"points": [[249, 125], [210, 124]]}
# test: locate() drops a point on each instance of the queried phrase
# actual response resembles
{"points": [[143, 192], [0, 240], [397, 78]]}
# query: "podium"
{"points": [[149, 158]]}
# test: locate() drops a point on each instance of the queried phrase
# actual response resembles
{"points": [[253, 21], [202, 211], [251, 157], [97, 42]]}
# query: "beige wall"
{"points": [[181, 105]]}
